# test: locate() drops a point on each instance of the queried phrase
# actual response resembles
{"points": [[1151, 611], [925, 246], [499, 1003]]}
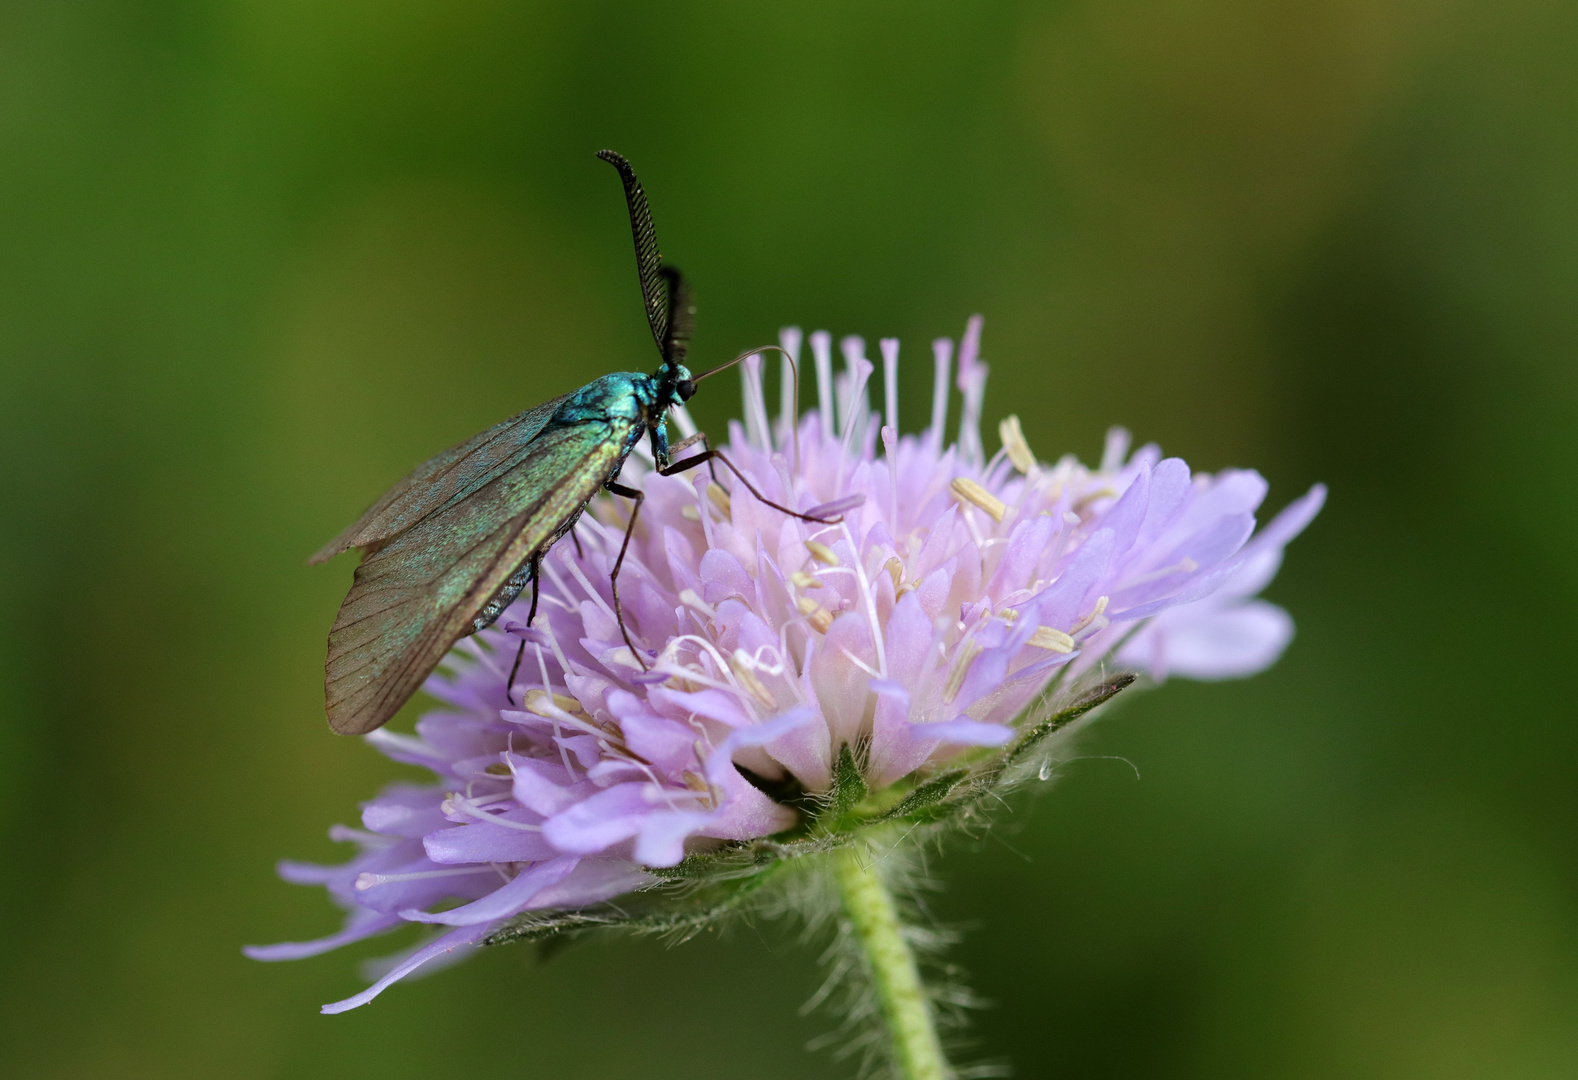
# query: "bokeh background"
{"points": [[257, 258]]}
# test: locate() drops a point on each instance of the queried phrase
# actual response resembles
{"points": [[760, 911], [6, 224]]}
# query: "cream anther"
{"points": [[821, 553], [1052, 640], [819, 617], [541, 702], [744, 669], [961, 668], [1095, 613], [971, 492], [1015, 446]]}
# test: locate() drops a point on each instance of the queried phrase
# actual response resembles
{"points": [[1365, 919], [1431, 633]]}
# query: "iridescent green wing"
{"points": [[445, 480], [415, 595]]}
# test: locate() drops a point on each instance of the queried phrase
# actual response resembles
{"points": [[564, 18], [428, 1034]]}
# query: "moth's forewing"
{"points": [[442, 481], [415, 596]]}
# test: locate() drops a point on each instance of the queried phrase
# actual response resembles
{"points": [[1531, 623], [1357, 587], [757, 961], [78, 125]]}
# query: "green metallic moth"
{"points": [[448, 548]]}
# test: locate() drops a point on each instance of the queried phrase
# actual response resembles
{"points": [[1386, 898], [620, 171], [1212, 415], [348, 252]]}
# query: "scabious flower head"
{"points": [[906, 642]]}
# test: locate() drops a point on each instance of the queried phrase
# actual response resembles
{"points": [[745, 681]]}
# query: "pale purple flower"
{"points": [[916, 630]]}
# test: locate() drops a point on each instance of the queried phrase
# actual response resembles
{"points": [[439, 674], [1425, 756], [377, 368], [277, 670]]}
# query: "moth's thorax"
{"points": [[625, 395]]}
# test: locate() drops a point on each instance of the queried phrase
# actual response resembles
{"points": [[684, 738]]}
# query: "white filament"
{"points": [[942, 353], [789, 341], [890, 381], [856, 403], [822, 350], [757, 429]]}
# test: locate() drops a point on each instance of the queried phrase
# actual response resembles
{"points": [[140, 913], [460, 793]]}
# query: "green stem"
{"points": [[905, 1010]]}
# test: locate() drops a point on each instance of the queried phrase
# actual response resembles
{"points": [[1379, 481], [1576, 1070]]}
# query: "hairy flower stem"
{"points": [[872, 913]]}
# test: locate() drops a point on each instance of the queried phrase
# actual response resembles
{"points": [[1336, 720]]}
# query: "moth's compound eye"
{"points": [[686, 389]]}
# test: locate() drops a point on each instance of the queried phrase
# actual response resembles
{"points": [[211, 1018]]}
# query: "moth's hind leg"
{"points": [[613, 577], [708, 455]]}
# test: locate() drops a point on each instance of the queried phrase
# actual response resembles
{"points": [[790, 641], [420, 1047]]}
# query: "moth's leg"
{"points": [[685, 444], [579, 554], [536, 579], [709, 454], [613, 578], [509, 685]]}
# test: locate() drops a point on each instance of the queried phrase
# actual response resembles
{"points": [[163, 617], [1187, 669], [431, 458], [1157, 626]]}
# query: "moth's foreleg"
{"points": [[536, 581], [709, 455], [613, 578], [685, 444], [509, 685], [536, 578]]}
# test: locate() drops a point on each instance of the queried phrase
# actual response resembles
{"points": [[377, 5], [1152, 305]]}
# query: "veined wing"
{"points": [[444, 480], [415, 596]]}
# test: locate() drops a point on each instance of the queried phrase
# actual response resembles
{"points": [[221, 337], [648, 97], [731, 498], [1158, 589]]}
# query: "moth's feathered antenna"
{"points": [[681, 318], [656, 286]]}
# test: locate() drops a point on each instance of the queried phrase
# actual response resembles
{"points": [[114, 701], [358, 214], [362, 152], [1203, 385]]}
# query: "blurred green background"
{"points": [[256, 258]]}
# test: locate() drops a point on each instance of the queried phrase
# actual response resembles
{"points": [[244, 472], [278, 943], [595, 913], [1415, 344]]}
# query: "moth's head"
{"points": [[675, 385]]}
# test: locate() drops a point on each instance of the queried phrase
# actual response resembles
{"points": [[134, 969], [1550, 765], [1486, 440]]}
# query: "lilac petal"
{"points": [[536, 785], [404, 811], [713, 704], [1293, 519], [465, 935], [361, 924], [965, 732], [407, 891], [668, 745], [1128, 513], [1170, 485], [502, 902], [592, 882], [483, 842], [724, 577], [805, 752], [1229, 643], [407, 750], [1070, 596], [661, 841], [895, 749], [305, 873], [604, 819], [1026, 544]]}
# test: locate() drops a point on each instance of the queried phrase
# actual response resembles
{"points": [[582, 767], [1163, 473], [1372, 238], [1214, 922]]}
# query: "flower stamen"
{"points": [[822, 553], [961, 668], [743, 667], [1015, 446], [1052, 640], [969, 491], [895, 569], [1095, 613], [367, 881], [818, 616]]}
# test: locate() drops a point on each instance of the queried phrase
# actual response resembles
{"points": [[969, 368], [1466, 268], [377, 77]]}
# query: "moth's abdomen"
{"points": [[503, 598]]}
